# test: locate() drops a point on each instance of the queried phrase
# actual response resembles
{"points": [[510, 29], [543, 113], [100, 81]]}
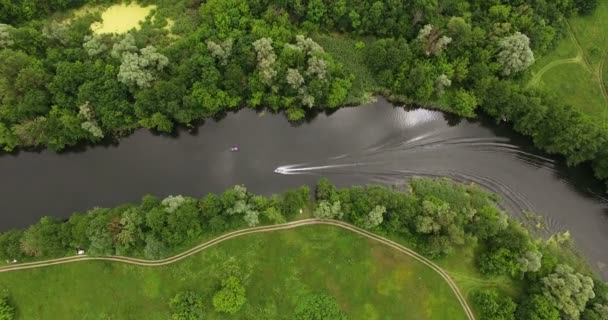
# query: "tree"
{"points": [[327, 210], [509, 252], [596, 312], [374, 218], [7, 310], [537, 307], [266, 59], [530, 261], [493, 306], [182, 224], [186, 306], [154, 249], [318, 307], [585, 7], [231, 298], [221, 51], [274, 215], [157, 121], [441, 83], [10, 245], [459, 29], [295, 200], [464, 103], [515, 54], [46, 238], [433, 42], [316, 11], [251, 218], [8, 140], [5, 36], [95, 44], [441, 225], [127, 44], [139, 69], [210, 206], [99, 236], [172, 203], [568, 291], [130, 233]]}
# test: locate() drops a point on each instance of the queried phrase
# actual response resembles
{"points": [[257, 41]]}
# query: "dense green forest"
{"points": [[62, 84], [438, 218]]}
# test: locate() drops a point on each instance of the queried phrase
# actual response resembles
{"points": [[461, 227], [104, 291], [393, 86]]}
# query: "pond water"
{"points": [[121, 18], [376, 143]]}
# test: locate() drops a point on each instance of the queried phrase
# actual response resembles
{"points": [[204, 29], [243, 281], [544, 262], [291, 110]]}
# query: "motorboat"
{"points": [[234, 149]]}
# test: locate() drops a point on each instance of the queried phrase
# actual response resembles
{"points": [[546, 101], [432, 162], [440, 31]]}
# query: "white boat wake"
{"points": [[295, 169]]}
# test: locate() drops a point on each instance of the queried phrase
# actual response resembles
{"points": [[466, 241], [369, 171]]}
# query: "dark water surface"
{"points": [[371, 144]]}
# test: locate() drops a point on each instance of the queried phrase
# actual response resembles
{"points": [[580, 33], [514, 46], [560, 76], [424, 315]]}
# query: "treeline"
{"points": [[7, 310], [61, 84], [153, 229], [437, 218], [231, 297]]}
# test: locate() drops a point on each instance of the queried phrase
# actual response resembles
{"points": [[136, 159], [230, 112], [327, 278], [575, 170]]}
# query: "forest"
{"points": [[438, 218], [62, 84]]}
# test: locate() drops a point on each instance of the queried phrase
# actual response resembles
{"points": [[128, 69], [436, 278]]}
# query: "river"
{"points": [[376, 143]]}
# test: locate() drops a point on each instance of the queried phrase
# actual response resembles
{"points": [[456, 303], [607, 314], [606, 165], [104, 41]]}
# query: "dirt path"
{"points": [[534, 81], [597, 73], [234, 234], [600, 75], [579, 58]]}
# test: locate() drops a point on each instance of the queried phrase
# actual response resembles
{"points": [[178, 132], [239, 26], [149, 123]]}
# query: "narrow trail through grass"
{"points": [[290, 225], [573, 73]]}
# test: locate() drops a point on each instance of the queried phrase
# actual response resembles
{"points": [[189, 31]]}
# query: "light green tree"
{"points": [[221, 50], [530, 261], [5, 36], [95, 44], [274, 215], [251, 217], [172, 203], [231, 298], [441, 83], [374, 218], [130, 232], [127, 44], [7, 311], [327, 210], [266, 59], [140, 69], [515, 54], [568, 291], [89, 124]]}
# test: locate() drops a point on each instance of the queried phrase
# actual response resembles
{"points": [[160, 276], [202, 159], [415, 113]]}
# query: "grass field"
{"points": [[343, 49], [368, 280], [576, 70]]}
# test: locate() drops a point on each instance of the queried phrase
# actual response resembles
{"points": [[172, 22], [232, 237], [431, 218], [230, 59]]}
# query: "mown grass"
{"points": [[578, 87], [591, 33], [368, 280], [573, 71]]}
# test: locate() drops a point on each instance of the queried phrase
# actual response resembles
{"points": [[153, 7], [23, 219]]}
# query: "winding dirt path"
{"points": [[579, 58], [534, 81], [600, 75], [596, 72], [238, 233]]}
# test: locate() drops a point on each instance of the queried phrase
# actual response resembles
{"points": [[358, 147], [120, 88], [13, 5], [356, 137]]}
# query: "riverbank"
{"points": [[388, 143], [457, 225]]}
